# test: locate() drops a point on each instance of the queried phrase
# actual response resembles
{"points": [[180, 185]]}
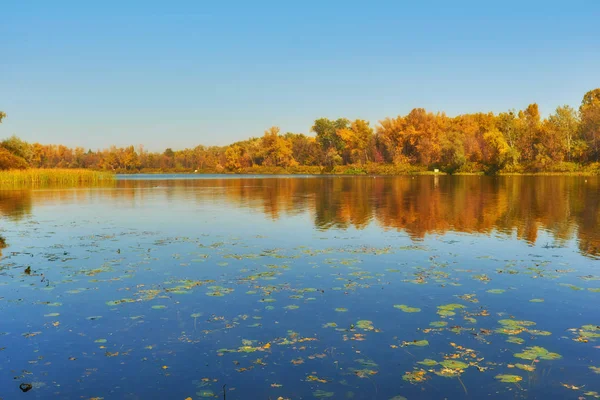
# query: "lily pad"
{"points": [[406, 308], [509, 378], [537, 352]]}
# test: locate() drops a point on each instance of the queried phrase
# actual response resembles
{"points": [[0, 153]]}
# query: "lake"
{"points": [[281, 287]]}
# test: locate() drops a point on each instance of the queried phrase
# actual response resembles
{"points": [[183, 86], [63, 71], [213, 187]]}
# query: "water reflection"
{"points": [[568, 207]]}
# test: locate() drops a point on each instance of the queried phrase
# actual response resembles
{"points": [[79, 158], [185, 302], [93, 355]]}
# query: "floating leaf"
{"points": [[418, 343], [406, 308], [322, 394], [365, 325], [415, 376], [537, 352], [526, 367], [438, 324], [54, 314], [509, 378]]}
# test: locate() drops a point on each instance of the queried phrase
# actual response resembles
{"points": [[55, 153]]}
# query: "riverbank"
{"points": [[371, 169]]}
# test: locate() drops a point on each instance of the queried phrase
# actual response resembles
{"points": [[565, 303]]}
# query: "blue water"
{"points": [[251, 270]]}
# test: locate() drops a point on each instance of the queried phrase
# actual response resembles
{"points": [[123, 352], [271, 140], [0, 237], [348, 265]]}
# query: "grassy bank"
{"points": [[46, 177]]}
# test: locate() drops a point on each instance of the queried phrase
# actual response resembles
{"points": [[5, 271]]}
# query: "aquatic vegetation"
{"points": [[322, 394], [586, 333], [121, 301], [365, 325], [496, 291], [438, 324], [448, 310], [43, 177], [513, 326], [537, 353], [418, 343], [454, 364], [407, 309], [526, 367], [415, 376], [509, 378]]}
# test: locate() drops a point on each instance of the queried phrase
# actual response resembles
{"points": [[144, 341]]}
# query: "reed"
{"points": [[45, 177]]}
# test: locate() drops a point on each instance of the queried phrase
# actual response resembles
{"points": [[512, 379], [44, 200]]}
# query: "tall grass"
{"points": [[48, 177]]}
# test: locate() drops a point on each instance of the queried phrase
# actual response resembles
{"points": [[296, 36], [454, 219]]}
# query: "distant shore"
{"points": [[373, 170]]}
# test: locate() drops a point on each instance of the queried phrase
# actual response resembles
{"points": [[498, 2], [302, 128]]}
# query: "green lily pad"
{"points": [[537, 352], [438, 324], [509, 378], [365, 325], [454, 364], [406, 308]]}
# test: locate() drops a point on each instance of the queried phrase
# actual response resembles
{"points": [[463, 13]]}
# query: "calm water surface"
{"points": [[171, 287]]}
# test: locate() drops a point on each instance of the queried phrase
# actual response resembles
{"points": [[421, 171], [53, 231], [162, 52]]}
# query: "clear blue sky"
{"points": [[181, 73]]}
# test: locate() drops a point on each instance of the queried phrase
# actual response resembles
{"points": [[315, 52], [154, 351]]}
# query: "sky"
{"points": [[182, 73]]}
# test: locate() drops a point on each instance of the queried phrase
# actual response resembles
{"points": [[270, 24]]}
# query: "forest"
{"points": [[516, 141]]}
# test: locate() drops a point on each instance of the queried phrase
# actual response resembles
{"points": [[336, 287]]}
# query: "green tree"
{"points": [[453, 152], [18, 147], [327, 136]]}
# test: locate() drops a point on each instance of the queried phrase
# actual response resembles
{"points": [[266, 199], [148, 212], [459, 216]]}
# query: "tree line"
{"points": [[514, 141]]}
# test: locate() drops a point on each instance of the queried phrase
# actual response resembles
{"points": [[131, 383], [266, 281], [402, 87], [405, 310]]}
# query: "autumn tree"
{"points": [[305, 149], [423, 130], [356, 138], [276, 150], [233, 158], [590, 122], [391, 137], [528, 124], [560, 135], [498, 151]]}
